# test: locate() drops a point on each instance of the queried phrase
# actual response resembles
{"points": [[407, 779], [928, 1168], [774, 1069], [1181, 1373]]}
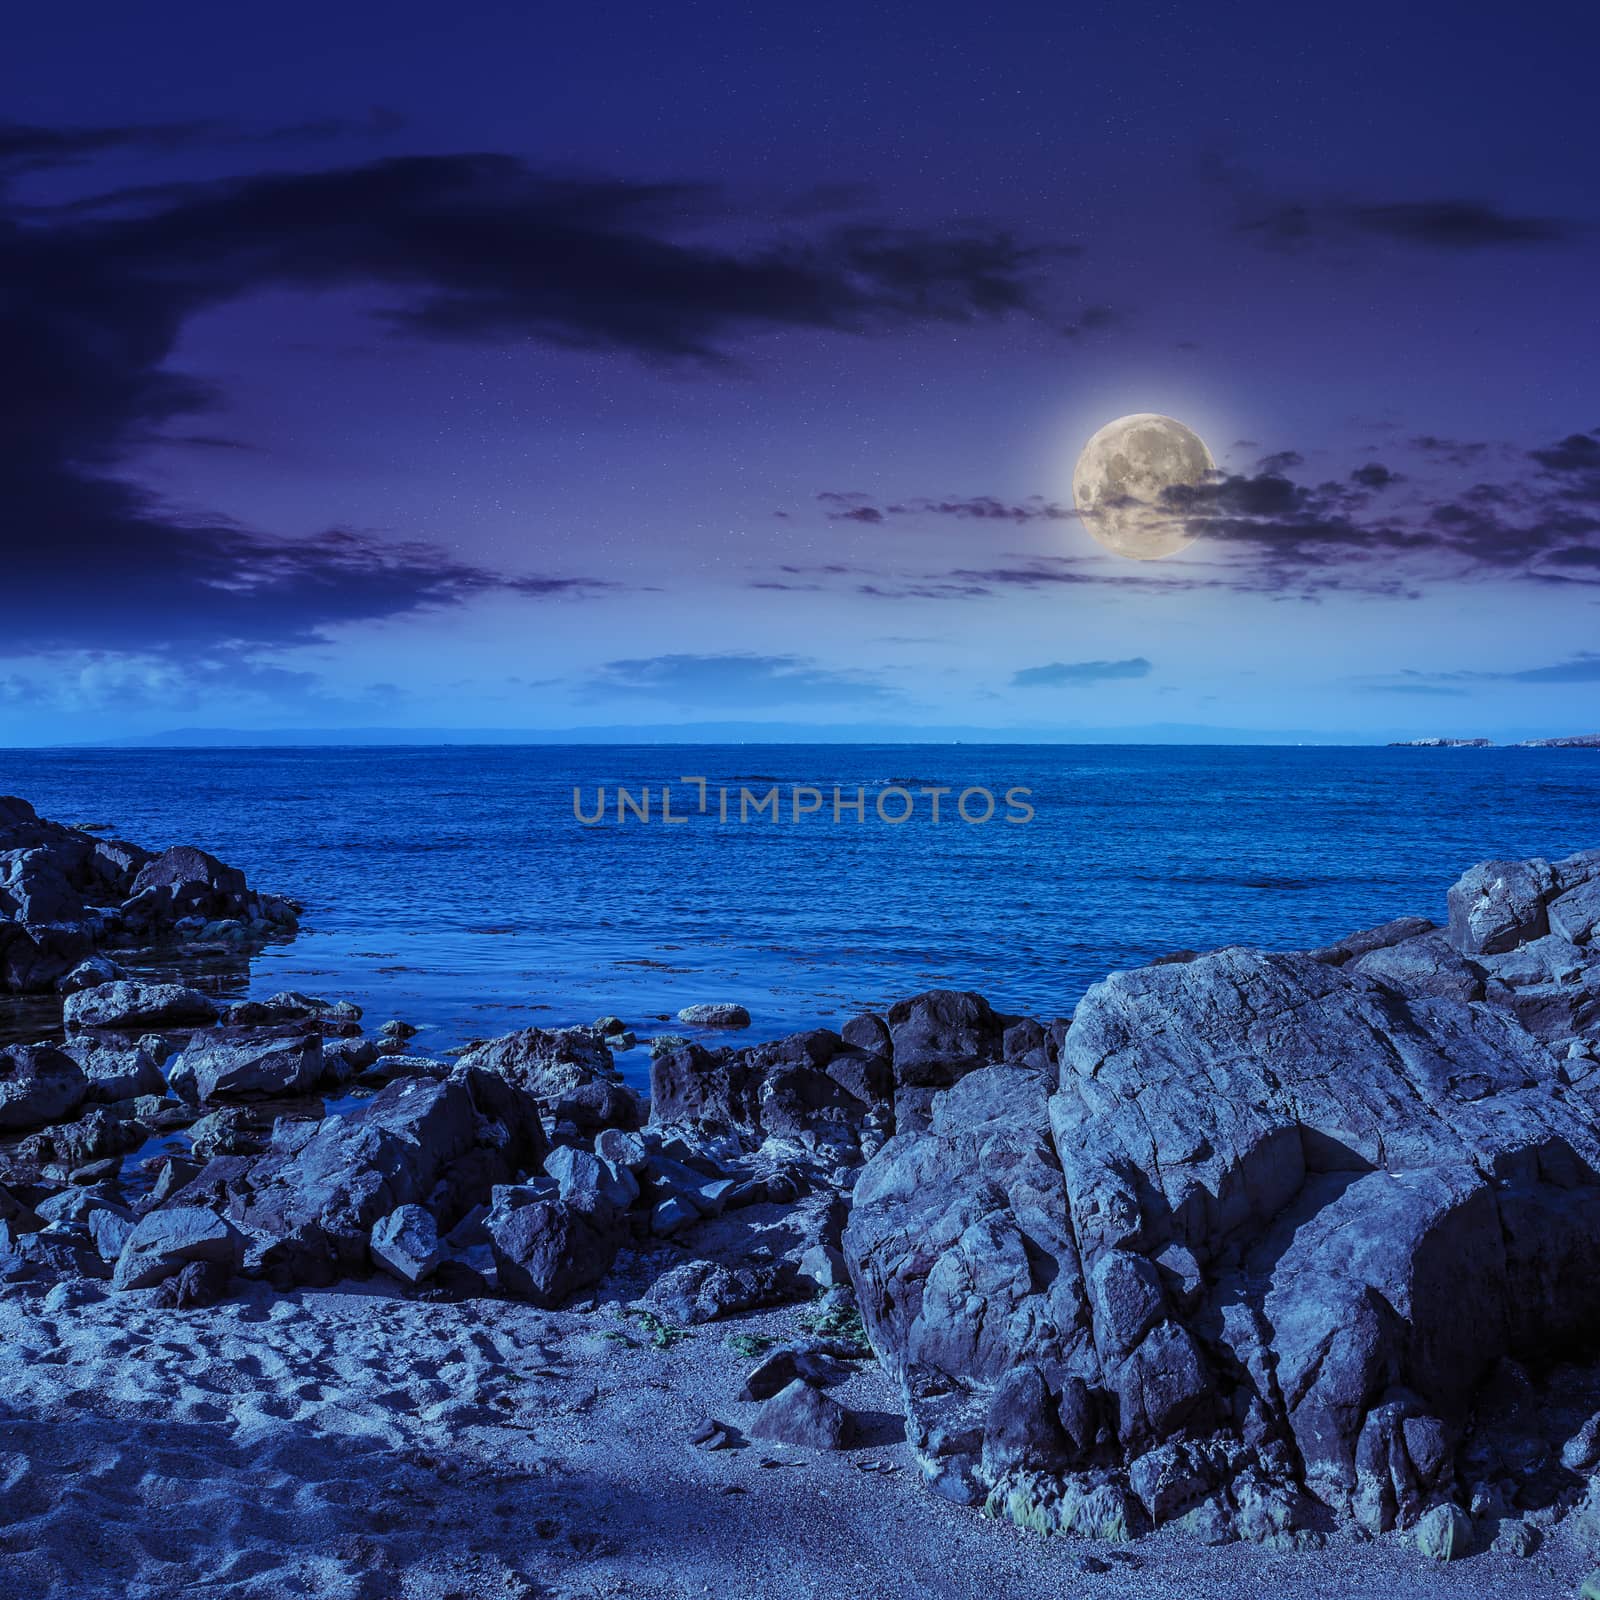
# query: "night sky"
{"points": [[510, 366]]}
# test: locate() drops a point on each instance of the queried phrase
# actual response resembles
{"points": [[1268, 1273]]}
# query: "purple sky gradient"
{"points": [[397, 366]]}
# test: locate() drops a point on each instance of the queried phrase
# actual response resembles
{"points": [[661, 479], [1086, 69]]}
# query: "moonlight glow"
{"points": [[1118, 483]]}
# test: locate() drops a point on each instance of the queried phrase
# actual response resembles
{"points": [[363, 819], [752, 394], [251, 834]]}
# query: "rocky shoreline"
{"points": [[69, 897], [1293, 1250]]}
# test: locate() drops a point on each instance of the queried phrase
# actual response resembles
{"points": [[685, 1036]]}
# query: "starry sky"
{"points": [[711, 368]]}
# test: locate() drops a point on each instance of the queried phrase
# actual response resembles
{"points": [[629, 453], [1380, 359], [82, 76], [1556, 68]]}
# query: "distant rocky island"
{"points": [[1441, 744], [1570, 741]]}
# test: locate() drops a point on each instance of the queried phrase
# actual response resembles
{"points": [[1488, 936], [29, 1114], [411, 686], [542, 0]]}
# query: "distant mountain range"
{"points": [[720, 733]]}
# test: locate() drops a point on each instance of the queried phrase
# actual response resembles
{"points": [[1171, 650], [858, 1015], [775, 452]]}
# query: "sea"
{"points": [[459, 888]]}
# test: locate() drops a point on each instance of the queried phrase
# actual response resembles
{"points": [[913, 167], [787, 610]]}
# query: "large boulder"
{"points": [[811, 1088], [34, 888], [35, 956], [115, 1069], [1272, 1215], [545, 1249], [569, 1071], [1498, 905], [1549, 984], [38, 1085], [134, 1007], [693, 1086], [163, 1243], [1575, 913], [247, 1064], [939, 1036], [188, 871], [1424, 964]]}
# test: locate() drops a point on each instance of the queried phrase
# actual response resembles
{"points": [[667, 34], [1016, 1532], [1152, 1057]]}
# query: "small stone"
{"points": [[805, 1416], [1582, 1450], [1518, 1539], [715, 1014], [619, 1148], [200, 1284], [406, 1244], [71, 1293], [825, 1265], [90, 973], [586, 1179], [713, 1435], [671, 1216], [1444, 1534], [125, 1005]]}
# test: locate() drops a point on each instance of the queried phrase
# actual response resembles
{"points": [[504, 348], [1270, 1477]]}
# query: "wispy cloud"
{"points": [[1582, 667], [734, 679], [1078, 674]]}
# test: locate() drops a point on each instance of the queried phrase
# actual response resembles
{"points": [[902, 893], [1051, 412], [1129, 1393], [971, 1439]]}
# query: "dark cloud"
{"points": [[24, 148], [28, 148], [1076, 674], [94, 297], [733, 679], [933, 587], [1452, 224], [1457, 225], [1374, 475], [1458, 452], [1578, 452], [1441, 225], [1281, 461], [1582, 557], [975, 508], [1036, 574]]}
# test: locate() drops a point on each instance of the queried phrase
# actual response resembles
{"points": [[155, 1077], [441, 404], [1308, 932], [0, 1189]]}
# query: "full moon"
{"points": [[1118, 483]]}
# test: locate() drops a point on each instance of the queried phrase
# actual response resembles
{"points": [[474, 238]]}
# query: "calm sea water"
{"points": [[453, 886]]}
